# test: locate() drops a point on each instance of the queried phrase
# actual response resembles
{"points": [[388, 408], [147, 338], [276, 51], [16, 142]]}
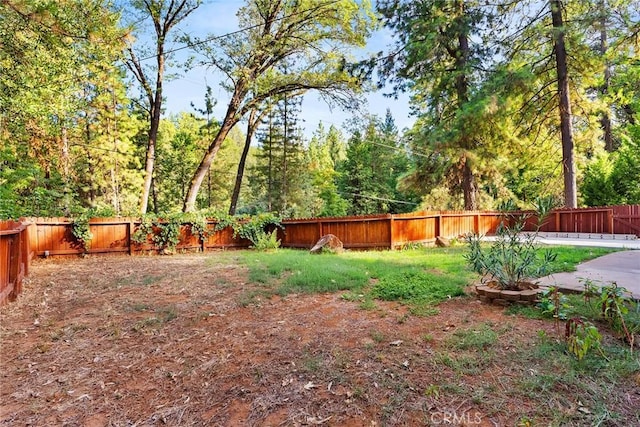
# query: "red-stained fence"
{"points": [[19, 241], [52, 236], [15, 256]]}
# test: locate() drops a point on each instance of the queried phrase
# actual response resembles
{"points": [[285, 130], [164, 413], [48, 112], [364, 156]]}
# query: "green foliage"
{"points": [[597, 188], [615, 302], [513, 256], [260, 229], [376, 160], [581, 337], [434, 275], [267, 241], [81, 231], [613, 305], [163, 232], [553, 303], [198, 224], [612, 178]]}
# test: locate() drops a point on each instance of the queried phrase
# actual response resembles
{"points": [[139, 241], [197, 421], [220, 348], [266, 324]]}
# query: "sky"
{"points": [[218, 17]]}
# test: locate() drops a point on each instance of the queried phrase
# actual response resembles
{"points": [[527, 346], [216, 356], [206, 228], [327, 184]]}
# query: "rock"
{"points": [[480, 289], [530, 295], [328, 242], [510, 295], [442, 242]]}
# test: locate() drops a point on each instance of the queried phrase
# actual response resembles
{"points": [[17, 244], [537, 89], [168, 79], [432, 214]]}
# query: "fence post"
{"points": [[129, 232], [557, 221], [391, 222], [438, 225], [610, 220]]}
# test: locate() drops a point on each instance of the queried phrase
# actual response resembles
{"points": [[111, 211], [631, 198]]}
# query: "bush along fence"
{"points": [[64, 236], [15, 256]]}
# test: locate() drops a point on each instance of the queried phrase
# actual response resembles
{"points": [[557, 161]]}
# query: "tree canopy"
{"points": [[510, 101]]}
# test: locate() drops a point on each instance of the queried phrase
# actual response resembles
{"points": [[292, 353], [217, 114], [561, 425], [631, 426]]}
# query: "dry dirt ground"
{"points": [[183, 340]]}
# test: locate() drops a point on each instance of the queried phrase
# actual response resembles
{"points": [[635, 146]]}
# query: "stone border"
{"points": [[495, 296]]}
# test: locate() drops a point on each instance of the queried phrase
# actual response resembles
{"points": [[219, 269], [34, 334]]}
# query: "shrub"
{"points": [[512, 257]]}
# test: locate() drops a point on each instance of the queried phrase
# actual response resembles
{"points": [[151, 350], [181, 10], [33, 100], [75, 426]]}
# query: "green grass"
{"points": [[478, 338], [418, 277]]}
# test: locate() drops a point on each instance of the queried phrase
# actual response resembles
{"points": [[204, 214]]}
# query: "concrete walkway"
{"points": [[620, 267]]}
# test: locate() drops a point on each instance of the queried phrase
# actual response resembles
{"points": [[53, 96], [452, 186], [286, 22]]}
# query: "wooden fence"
{"points": [[53, 236], [20, 241], [15, 256]]}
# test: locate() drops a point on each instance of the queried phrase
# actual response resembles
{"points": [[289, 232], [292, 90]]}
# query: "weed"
{"points": [[377, 336], [368, 304], [352, 296], [149, 280], [432, 390], [143, 324], [250, 298], [140, 307], [476, 338], [403, 319], [555, 304], [615, 304], [167, 314], [581, 337], [311, 363], [423, 309]]}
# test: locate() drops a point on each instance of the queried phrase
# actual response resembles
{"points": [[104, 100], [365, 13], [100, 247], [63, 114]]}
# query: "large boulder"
{"points": [[328, 243]]}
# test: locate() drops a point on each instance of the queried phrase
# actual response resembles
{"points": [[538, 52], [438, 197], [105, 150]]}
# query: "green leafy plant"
{"points": [[144, 230], [81, 230], [267, 241], [512, 257], [614, 303], [260, 230], [164, 233], [581, 337], [554, 303]]}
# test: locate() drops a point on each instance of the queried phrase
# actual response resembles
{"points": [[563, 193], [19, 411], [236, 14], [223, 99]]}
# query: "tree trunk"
{"points": [[230, 120], [156, 109], [605, 120], [568, 166], [469, 188], [254, 120]]}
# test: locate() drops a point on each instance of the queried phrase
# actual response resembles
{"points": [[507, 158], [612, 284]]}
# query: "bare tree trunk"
{"points": [[254, 120], [568, 166], [230, 120], [469, 188], [156, 109], [605, 120]]}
